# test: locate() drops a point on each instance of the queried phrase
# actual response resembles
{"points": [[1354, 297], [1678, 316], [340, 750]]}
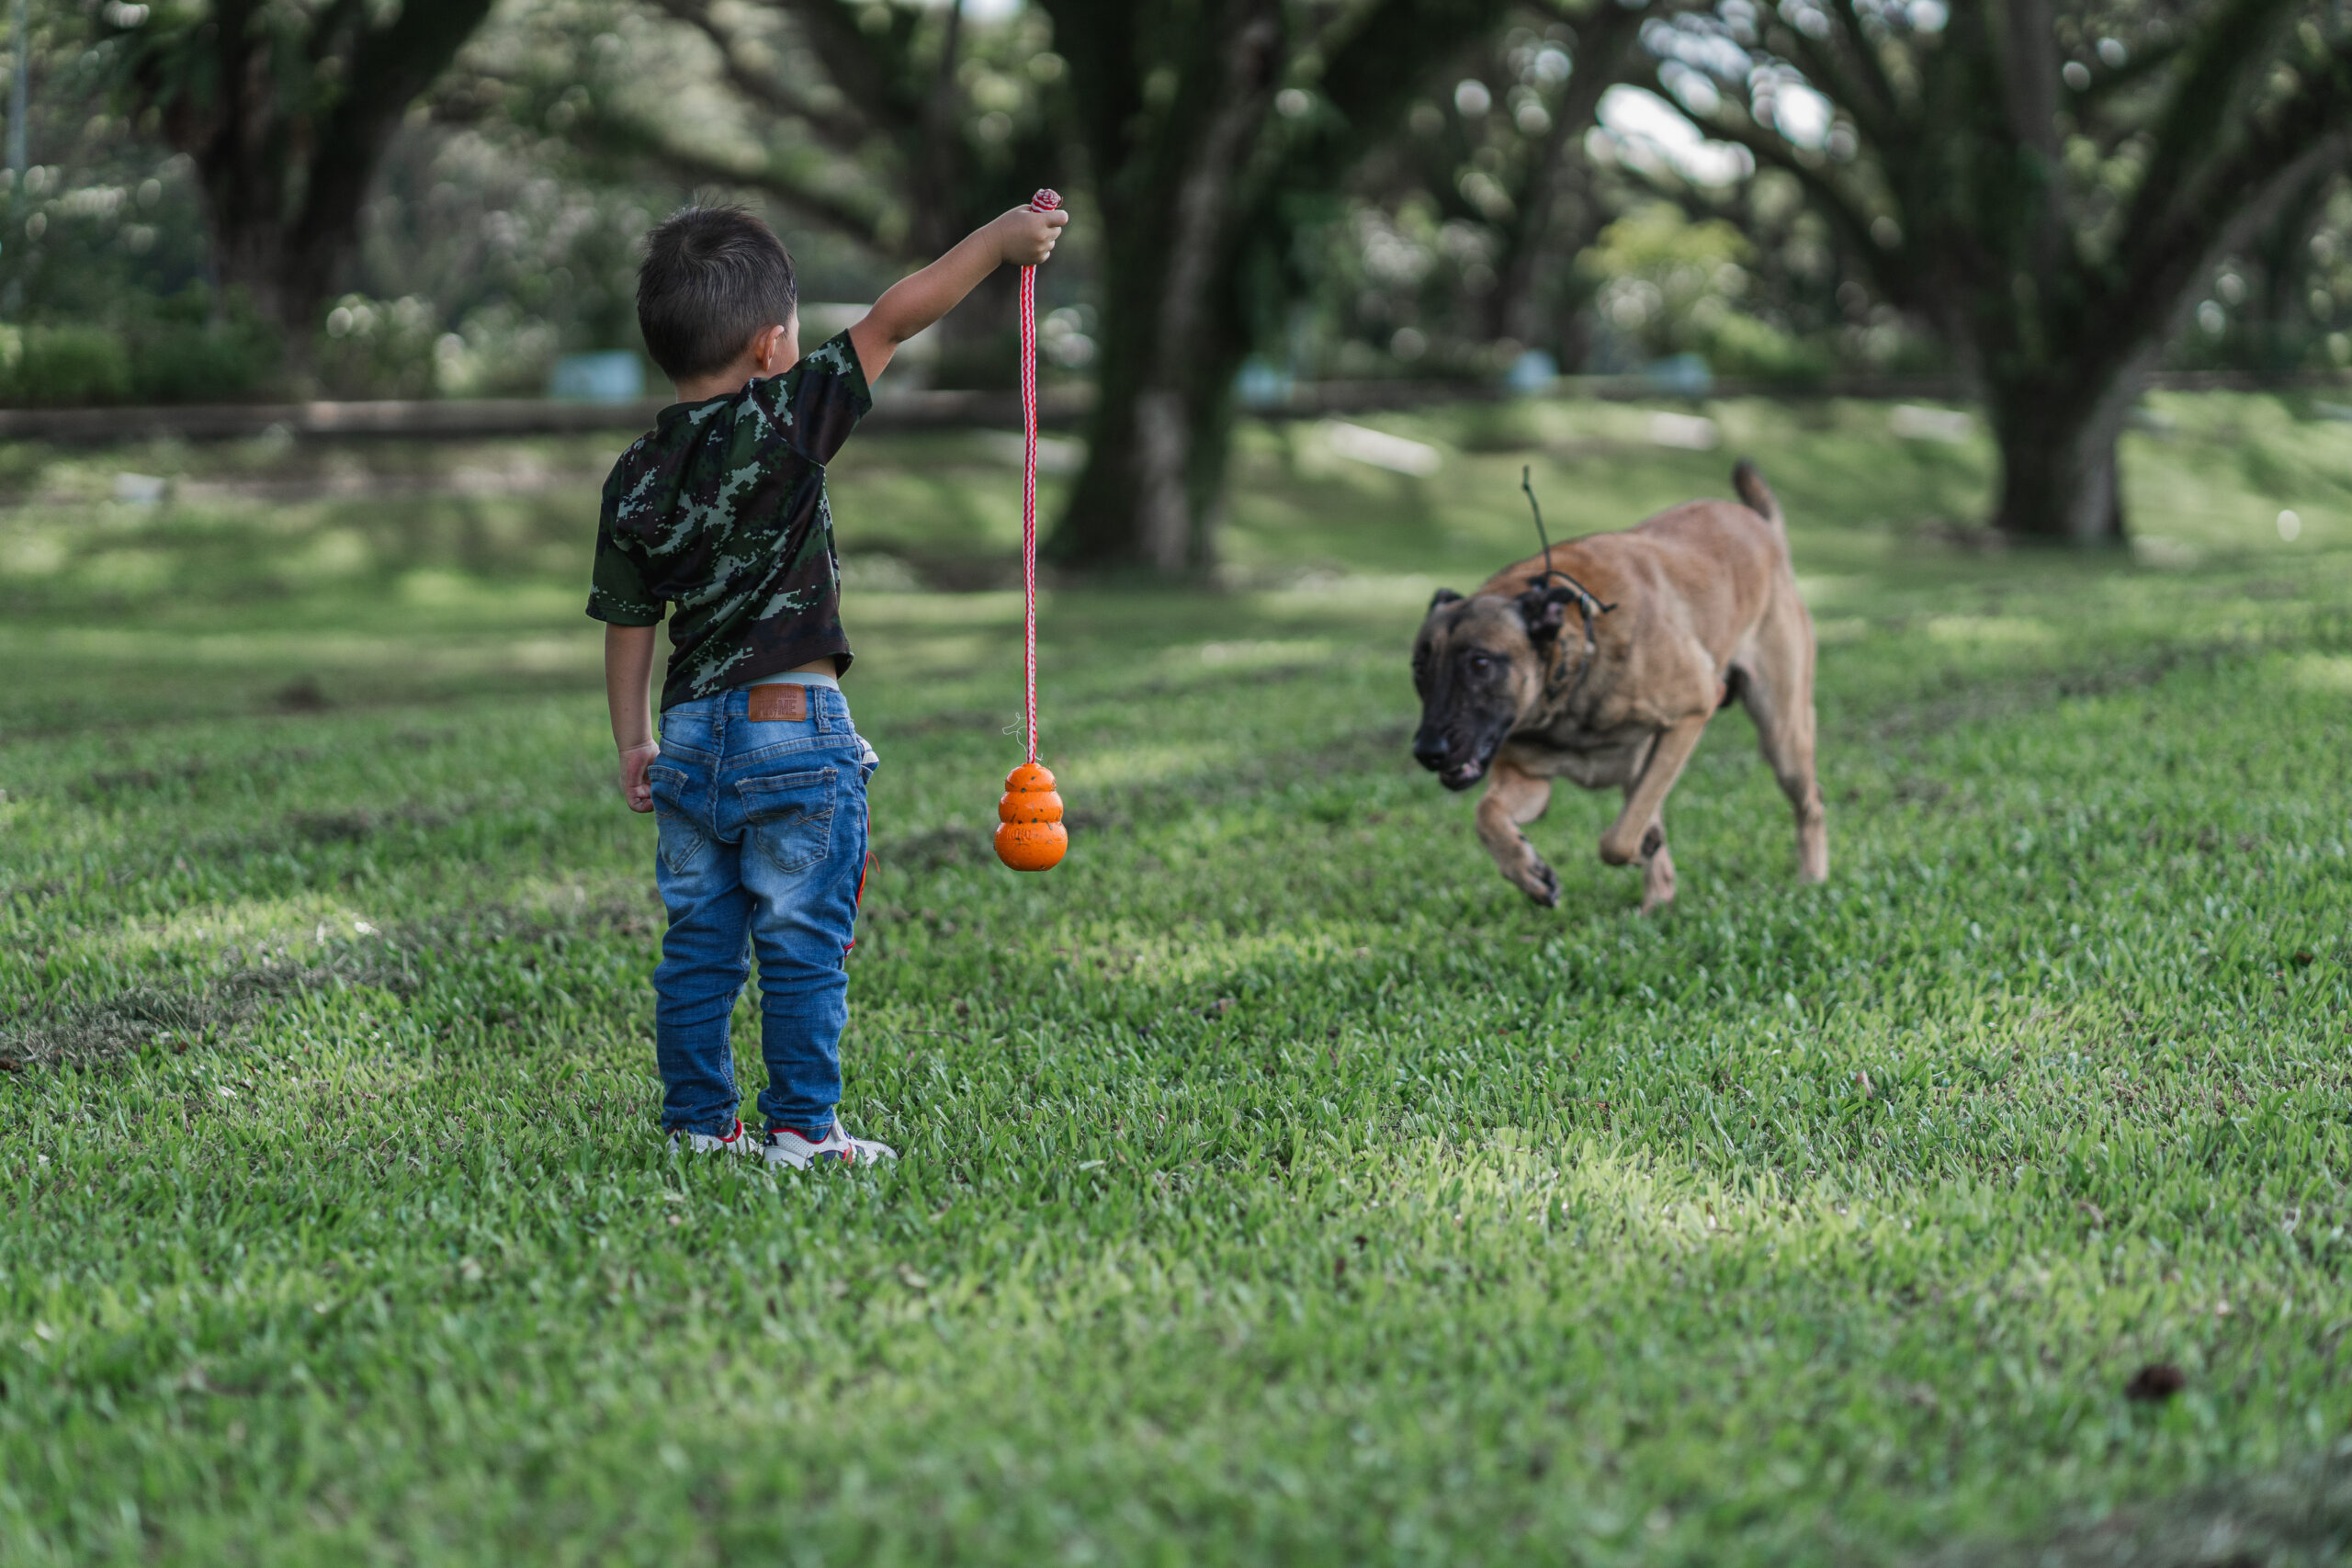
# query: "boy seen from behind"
{"points": [[719, 519]]}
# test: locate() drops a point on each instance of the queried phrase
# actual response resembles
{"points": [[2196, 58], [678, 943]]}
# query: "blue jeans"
{"points": [[762, 845]]}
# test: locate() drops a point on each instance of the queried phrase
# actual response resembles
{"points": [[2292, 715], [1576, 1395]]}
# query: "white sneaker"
{"points": [[735, 1143], [785, 1147]]}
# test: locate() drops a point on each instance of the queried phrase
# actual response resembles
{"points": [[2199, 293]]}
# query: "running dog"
{"points": [[1601, 661]]}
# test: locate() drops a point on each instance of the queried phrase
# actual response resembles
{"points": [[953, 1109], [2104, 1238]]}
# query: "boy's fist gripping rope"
{"points": [[1030, 835]]}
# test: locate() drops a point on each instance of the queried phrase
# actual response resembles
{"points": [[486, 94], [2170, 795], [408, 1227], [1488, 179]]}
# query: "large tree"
{"points": [[2046, 183], [1215, 129], [286, 109]]}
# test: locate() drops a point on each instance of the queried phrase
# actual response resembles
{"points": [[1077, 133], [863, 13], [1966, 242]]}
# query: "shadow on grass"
{"points": [[2287, 1520]]}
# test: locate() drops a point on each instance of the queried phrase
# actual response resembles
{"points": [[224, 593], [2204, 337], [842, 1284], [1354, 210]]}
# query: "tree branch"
{"points": [[2211, 92], [1844, 211], [2308, 136], [819, 207], [1872, 101], [851, 58], [2029, 66], [844, 129], [385, 71]]}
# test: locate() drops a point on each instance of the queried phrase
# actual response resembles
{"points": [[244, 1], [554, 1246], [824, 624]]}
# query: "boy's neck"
{"points": [[772, 352], [718, 383]]}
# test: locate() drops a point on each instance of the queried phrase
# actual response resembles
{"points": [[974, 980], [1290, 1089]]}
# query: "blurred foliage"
{"points": [[888, 131], [500, 231]]}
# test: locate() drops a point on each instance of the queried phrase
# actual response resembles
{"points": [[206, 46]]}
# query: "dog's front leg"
{"points": [[1514, 798], [1657, 874]]}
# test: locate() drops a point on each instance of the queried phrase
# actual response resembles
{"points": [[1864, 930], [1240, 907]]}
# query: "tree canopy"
{"points": [[2045, 184], [2044, 198]]}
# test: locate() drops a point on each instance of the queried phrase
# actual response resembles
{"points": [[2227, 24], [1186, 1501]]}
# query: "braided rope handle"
{"points": [[1044, 201]]}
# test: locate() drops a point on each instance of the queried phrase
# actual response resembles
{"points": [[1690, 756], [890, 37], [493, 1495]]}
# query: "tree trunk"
{"points": [[1198, 212], [1162, 425], [2060, 483], [283, 285], [1172, 338], [283, 178]]}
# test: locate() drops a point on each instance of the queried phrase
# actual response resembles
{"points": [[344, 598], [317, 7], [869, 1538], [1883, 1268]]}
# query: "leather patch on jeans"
{"points": [[772, 703]]}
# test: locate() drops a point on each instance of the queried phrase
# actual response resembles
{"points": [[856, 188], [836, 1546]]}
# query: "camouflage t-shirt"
{"points": [[721, 513]]}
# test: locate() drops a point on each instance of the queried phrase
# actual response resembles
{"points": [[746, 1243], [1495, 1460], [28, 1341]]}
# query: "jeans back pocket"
{"points": [[788, 818]]}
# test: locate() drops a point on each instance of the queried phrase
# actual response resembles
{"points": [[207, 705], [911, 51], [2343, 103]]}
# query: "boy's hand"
{"points": [[634, 787], [1026, 237], [1022, 237]]}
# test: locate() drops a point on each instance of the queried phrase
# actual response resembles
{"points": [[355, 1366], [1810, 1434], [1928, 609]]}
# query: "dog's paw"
{"points": [[1542, 883]]}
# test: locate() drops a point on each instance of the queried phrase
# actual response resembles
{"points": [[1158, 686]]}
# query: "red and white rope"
{"points": [[1044, 201]]}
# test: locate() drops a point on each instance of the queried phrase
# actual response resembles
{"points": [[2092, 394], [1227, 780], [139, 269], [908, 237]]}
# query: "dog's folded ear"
{"points": [[1544, 611], [1443, 596]]}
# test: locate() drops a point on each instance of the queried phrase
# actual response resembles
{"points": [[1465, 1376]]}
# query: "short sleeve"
{"points": [[617, 591], [819, 401]]}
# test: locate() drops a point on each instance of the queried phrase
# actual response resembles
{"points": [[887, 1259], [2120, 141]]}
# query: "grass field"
{"points": [[1279, 1185]]}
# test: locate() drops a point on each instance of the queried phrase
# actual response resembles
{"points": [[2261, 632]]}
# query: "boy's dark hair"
{"points": [[713, 277]]}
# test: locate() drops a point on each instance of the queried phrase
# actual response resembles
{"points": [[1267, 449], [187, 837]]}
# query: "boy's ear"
{"points": [[775, 348]]}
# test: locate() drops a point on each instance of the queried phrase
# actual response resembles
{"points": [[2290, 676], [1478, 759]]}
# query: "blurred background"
{"points": [[2007, 221]]}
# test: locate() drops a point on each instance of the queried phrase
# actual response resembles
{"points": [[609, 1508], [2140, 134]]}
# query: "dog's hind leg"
{"points": [[1778, 691], [1513, 798]]}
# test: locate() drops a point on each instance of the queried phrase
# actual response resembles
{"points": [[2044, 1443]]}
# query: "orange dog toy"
{"points": [[1030, 835]]}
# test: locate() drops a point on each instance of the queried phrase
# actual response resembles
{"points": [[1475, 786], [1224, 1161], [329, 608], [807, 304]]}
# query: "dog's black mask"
{"points": [[1478, 666]]}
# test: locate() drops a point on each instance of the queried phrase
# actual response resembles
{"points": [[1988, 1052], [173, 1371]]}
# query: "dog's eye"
{"points": [[1481, 664]]}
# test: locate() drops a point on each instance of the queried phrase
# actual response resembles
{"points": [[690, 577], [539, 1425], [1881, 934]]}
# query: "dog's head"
{"points": [[1478, 664]]}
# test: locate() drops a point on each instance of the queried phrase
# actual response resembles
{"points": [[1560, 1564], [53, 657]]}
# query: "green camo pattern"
{"points": [[720, 515]]}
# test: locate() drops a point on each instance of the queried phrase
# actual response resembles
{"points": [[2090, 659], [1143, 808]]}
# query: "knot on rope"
{"points": [[1044, 200]]}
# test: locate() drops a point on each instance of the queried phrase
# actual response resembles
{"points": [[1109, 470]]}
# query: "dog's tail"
{"points": [[1752, 488]]}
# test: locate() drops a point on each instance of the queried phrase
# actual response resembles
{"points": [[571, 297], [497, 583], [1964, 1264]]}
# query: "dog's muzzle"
{"points": [[1442, 758]]}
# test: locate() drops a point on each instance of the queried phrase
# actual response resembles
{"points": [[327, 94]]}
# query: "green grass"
{"points": [[1279, 1184]]}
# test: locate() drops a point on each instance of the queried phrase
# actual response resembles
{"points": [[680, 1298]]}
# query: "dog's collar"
{"points": [[1589, 605]]}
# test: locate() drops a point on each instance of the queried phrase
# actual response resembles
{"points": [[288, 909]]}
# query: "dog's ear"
{"points": [[1443, 596], [1543, 611]]}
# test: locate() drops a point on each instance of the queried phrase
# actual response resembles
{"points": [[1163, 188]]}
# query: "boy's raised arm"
{"points": [[1022, 237]]}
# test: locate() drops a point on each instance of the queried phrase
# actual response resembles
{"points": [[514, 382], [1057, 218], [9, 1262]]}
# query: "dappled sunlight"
{"points": [[1328, 591], [294, 929], [1100, 767], [2322, 672], [1996, 630], [1644, 1204]]}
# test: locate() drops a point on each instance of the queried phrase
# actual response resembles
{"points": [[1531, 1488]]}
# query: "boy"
{"points": [[759, 777]]}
